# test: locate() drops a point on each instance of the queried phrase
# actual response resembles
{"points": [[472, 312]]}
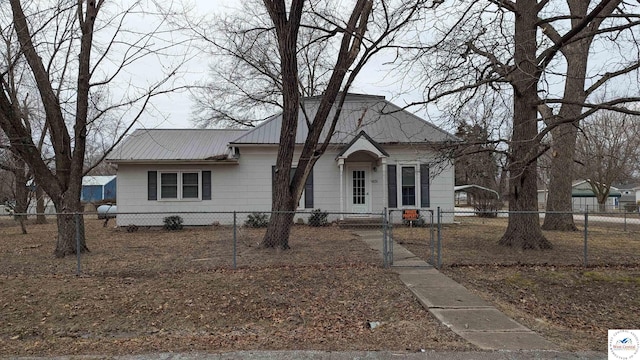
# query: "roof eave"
{"points": [[173, 161]]}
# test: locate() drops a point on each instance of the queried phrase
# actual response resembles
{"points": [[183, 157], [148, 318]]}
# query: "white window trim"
{"points": [[180, 188], [416, 166]]}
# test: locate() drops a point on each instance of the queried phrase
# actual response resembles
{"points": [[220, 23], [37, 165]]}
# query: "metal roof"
{"points": [[589, 193], [383, 121], [97, 180], [473, 187], [174, 144], [582, 188]]}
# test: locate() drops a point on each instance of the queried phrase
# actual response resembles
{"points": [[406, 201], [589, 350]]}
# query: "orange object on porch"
{"points": [[410, 214]]}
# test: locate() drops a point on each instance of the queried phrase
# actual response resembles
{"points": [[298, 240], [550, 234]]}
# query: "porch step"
{"points": [[361, 223]]}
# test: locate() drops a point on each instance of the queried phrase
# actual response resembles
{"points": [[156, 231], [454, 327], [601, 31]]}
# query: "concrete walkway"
{"points": [[466, 314]]}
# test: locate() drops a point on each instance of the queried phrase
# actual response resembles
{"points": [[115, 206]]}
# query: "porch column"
{"points": [[341, 166]]}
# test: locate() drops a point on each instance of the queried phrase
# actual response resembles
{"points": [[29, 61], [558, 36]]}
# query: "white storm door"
{"points": [[358, 190]]}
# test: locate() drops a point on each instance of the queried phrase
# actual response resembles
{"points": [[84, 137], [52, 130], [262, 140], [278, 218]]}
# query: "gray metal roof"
{"points": [[383, 121], [174, 144]]}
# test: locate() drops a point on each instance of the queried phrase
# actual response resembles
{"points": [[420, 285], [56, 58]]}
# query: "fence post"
{"points": [[235, 241], [76, 219], [625, 220], [384, 239], [586, 238], [432, 244], [439, 265], [390, 251]]}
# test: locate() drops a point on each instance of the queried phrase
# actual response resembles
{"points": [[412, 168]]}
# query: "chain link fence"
{"points": [[137, 244], [152, 243], [601, 239], [407, 227]]}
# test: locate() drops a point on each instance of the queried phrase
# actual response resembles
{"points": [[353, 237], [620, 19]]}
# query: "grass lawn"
{"points": [[548, 291], [155, 290]]}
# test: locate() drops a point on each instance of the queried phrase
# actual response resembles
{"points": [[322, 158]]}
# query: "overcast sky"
{"points": [[177, 107]]}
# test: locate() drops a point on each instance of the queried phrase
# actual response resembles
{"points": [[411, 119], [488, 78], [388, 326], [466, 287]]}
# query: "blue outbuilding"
{"points": [[98, 188]]}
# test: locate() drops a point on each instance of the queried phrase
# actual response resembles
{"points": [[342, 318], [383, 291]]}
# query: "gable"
{"points": [[363, 142]]}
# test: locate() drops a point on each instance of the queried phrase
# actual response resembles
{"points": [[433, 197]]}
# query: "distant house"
{"points": [[583, 197], [629, 196], [98, 188], [32, 208], [379, 157]]}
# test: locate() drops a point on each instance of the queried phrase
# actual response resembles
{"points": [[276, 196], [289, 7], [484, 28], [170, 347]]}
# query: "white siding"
{"points": [[246, 187]]}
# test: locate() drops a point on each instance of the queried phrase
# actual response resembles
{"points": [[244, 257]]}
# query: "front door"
{"points": [[358, 193]]}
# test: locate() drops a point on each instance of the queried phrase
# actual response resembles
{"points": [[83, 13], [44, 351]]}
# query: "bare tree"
{"points": [[245, 86], [286, 50], [69, 61], [608, 149], [481, 124], [13, 164], [617, 24], [516, 47]]}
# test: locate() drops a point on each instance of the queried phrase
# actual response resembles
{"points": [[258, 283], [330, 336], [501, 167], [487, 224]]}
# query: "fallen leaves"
{"points": [[320, 295]]}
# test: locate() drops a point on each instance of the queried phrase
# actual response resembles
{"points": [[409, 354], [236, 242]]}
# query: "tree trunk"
{"points": [[565, 135], [523, 229], [70, 225], [40, 208], [602, 206], [278, 231], [602, 201], [70, 220], [277, 234], [22, 193], [559, 209]]}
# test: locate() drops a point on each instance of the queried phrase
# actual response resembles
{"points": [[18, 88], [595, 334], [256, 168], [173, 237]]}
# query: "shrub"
{"points": [[173, 222], [257, 220], [318, 218], [487, 207]]}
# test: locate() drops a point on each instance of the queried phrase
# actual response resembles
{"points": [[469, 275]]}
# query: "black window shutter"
{"points": [[152, 185], [206, 185], [308, 191], [392, 186], [424, 186]]}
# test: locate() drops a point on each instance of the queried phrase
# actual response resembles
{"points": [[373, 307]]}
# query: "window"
{"points": [[359, 187], [169, 186], [179, 185], [190, 185], [408, 186]]}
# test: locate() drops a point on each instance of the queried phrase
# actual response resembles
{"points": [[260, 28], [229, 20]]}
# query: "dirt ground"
{"points": [[157, 290], [548, 291]]}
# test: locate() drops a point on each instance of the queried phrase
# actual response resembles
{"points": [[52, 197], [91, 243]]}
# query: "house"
{"points": [[98, 188], [583, 198], [629, 196], [32, 206], [379, 156]]}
